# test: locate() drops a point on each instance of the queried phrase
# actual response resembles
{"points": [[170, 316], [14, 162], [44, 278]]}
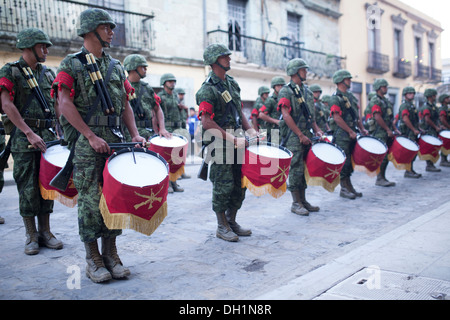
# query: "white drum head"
{"points": [[407, 144], [445, 134], [176, 141], [328, 153], [431, 140], [372, 145], [147, 171], [57, 155], [269, 151]]}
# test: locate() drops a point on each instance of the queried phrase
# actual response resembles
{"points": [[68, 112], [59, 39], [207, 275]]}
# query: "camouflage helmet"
{"points": [[442, 97], [371, 95], [133, 61], [277, 81], [90, 19], [167, 77], [263, 90], [29, 37], [213, 52], [340, 75], [407, 90], [326, 98], [430, 92], [294, 65], [315, 88], [179, 91], [380, 83]]}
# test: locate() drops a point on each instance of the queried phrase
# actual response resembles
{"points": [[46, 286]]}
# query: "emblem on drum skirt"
{"points": [[429, 148]]}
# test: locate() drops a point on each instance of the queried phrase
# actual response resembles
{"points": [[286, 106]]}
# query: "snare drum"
{"points": [[52, 161], [402, 153], [323, 165], [265, 169], [368, 154], [429, 147], [444, 135], [134, 193], [173, 150]]}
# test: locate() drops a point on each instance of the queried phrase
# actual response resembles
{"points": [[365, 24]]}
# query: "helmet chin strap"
{"points": [[300, 77], [224, 68], [139, 74], [102, 42], [38, 59]]}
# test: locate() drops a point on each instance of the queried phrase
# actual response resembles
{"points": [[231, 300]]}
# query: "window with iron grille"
{"points": [[236, 24]]}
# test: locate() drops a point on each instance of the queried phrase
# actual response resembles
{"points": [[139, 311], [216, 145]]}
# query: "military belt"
{"points": [[40, 123], [105, 121], [144, 124]]}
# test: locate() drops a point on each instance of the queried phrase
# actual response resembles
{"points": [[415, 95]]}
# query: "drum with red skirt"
{"points": [[323, 165], [402, 153], [135, 188], [444, 135], [173, 150], [52, 161], [368, 154], [429, 148], [265, 169]]}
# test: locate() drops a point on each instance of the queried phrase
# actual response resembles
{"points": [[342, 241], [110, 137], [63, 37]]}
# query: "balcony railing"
{"points": [[422, 71], [402, 68], [435, 75], [377, 63], [274, 55], [59, 19]]}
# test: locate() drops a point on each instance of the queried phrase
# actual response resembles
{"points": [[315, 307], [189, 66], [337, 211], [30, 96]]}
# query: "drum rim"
{"points": [[332, 144], [59, 144], [429, 135], [447, 130], [157, 155], [289, 152], [409, 140], [173, 134], [384, 143]]}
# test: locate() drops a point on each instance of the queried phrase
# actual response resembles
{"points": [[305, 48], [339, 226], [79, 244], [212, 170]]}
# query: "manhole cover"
{"points": [[372, 283]]}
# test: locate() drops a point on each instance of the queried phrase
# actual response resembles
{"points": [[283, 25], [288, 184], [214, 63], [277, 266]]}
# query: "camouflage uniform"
{"points": [[271, 109], [26, 160], [183, 112], [320, 111], [2, 147], [169, 105], [432, 111], [444, 111]]}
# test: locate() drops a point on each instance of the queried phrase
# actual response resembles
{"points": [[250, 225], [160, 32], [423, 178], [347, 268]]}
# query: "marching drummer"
{"points": [[430, 121], [344, 120], [409, 126], [145, 102], [296, 103], [171, 111], [321, 111], [97, 128], [258, 107], [444, 119], [383, 125], [32, 120], [225, 124]]}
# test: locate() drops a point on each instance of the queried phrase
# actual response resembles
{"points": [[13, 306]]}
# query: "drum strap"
{"points": [[231, 107]]}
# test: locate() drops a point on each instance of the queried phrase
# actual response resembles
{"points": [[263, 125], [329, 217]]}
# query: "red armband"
{"points": [[376, 108], [405, 113], [336, 109], [255, 112], [8, 85], [157, 99], [443, 113], [368, 117], [284, 103], [128, 88], [205, 107], [65, 79], [426, 112], [263, 109]]}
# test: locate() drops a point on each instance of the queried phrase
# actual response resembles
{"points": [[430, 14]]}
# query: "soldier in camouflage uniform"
{"points": [[2, 147], [269, 113], [225, 127], [299, 141], [344, 121], [172, 116], [409, 125], [180, 94], [444, 120], [32, 127], [146, 104], [430, 121], [263, 94], [76, 96], [383, 125], [322, 114]]}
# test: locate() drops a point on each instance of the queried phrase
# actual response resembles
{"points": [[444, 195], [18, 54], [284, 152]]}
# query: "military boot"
{"points": [[444, 161], [431, 168], [412, 174], [2, 220], [95, 268], [224, 230], [176, 187], [32, 242], [46, 238], [352, 189], [305, 203], [111, 259], [345, 191], [381, 177], [297, 205], [231, 218]]}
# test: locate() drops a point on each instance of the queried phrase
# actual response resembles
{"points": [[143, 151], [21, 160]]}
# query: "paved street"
{"points": [[286, 257]]}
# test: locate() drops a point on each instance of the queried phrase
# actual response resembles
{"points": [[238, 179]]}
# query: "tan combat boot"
{"points": [[345, 191], [95, 268], [224, 230], [305, 203], [32, 242], [112, 260], [231, 218], [46, 238], [297, 205]]}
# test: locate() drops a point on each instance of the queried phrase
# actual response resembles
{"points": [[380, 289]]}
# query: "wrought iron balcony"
{"points": [[59, 19], [435, 75], [402, 68], [377, 63], [251, 50], [422, 71]]}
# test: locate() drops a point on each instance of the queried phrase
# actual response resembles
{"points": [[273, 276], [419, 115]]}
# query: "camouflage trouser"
{"points": [[26, 175], [347, 146], [2, 147], [227, 190], [88, 177], [297, 179]]}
